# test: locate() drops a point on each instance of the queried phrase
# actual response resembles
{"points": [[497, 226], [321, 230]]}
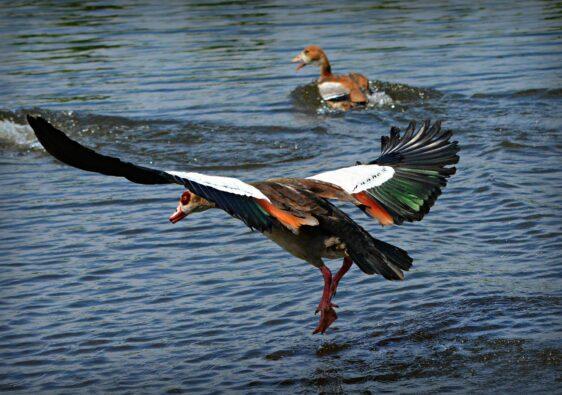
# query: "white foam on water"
{"points": [[17, 135], [376, 99], [379, 98]]}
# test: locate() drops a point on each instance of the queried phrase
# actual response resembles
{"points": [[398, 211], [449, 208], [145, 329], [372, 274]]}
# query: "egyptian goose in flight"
{"points": [[339, 91], [400, 185]]}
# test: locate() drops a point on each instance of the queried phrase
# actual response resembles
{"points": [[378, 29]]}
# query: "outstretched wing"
{"points": [[74, 154], [403, 183], [239, 199]]}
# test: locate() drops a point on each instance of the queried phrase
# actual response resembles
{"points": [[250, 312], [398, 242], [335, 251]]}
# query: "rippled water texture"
{"points": [[100, 293]]}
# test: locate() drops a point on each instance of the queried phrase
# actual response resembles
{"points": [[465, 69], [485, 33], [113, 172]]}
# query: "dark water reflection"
{"points": [[100, 293]]}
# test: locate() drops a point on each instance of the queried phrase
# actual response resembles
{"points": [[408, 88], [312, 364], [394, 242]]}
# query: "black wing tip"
{"points": [[426, 134], [35, 120], [43, 131], [41, 127], [427, 148]]}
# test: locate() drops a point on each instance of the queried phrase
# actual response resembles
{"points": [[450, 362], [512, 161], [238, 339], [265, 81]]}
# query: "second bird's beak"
{"points": [[297, 59], [177, 216]]}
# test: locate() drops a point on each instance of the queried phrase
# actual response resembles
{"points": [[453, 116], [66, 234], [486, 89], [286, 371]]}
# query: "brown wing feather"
{"points": [[288, 205], [327, 190], [323, 189]]}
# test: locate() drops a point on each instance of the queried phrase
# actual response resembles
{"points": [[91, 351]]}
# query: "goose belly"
{"points": [[307, 245]]}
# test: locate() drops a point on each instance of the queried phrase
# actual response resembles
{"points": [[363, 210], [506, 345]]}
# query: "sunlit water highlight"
{"points": [[99, 292]]}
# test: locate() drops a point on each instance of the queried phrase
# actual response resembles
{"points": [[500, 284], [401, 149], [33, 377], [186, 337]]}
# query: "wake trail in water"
{"points": [[179, 144], [17, 136]]}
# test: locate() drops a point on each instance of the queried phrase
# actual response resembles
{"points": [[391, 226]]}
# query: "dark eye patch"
{"points": [[185, 197]]}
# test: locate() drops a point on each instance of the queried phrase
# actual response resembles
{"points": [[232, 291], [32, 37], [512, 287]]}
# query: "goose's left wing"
{"points": [[237, 198], [405, 180]]}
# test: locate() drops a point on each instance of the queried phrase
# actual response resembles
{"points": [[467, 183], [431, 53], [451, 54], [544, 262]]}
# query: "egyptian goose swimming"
{"points": [[400, 185], [339, 91]]}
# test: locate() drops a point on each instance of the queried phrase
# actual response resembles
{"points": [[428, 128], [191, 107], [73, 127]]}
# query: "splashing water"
{"points": [[17, 136]]}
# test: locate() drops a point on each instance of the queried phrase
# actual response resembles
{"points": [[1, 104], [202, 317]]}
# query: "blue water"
{"points": [[100, 293]]}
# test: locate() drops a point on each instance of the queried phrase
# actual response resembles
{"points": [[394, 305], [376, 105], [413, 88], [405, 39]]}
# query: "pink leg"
{"points": [[326, 307], [347, 262]]}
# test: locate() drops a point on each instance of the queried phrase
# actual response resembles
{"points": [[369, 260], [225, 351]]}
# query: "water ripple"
{"points": [[100, 293]]}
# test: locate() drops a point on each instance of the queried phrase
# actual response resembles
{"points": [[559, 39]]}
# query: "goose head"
{"points": [[312, 54], [190, 203]]}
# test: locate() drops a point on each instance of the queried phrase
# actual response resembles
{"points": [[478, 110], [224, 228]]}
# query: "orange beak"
{"points": [[177, 216], [297, 59]]}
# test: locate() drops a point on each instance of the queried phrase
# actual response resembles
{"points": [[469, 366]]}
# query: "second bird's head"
{"points": [[312, 54], [190, 203]]}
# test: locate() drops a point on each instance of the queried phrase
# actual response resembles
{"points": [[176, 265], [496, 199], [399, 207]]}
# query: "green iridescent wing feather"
{"points": [[422, 161]]}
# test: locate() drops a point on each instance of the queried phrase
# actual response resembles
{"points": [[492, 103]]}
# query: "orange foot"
{"points": [[327, 317]]}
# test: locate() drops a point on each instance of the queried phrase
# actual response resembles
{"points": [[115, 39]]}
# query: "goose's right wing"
{"points": [[239, 199]]}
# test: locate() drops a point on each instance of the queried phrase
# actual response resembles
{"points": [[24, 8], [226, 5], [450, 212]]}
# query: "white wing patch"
{"points": [[225, 184], [356, 179], [332, 90]]}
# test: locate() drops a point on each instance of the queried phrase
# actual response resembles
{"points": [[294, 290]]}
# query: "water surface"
{"points": [[99, 292]]}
